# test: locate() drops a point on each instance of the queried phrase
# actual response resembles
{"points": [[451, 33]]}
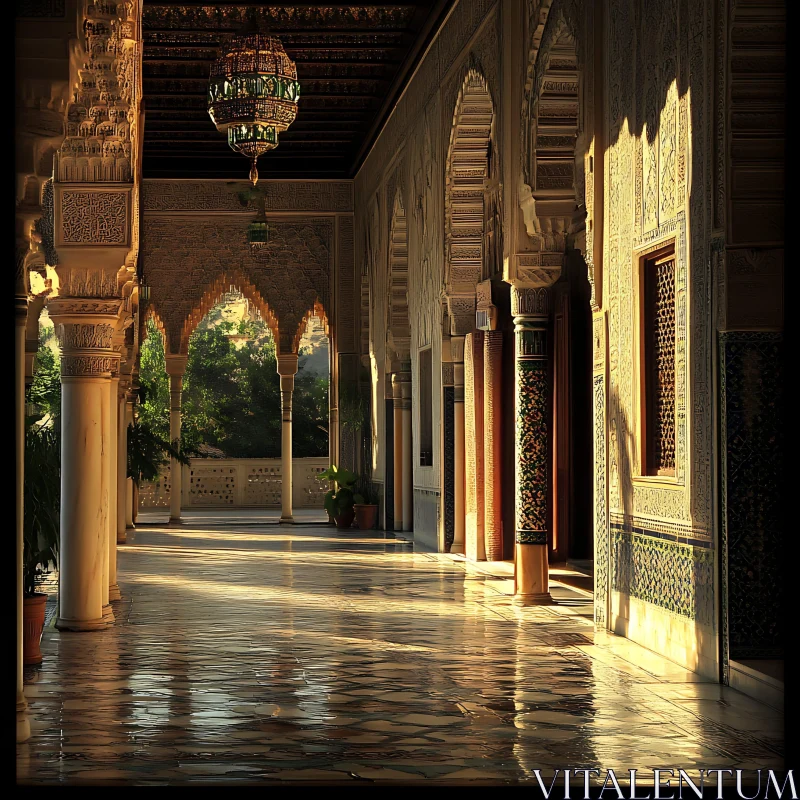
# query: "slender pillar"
{"points": [[408, 472], [397, 428], [87, 362], [176, 368], [122, 461], [457, 351], [287, 369], [129, 526], [105, 493], [530, 307], [493, 438], [20, 318], [475, 544], [113, 485]]}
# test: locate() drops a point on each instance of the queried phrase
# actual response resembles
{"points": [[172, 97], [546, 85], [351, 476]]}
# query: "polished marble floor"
{"points": [[284, 653]]}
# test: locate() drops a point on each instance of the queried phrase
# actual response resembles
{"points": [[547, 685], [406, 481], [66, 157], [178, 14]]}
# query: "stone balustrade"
{"points": [[239, 483]]}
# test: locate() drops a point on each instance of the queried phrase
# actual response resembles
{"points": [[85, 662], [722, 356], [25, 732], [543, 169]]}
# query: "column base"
{"points": [[22, 703], [23, 727], [108, 615], [122, 538], [113, 593], [290, 518], [543, 599], [175, 521], [80, 624], [130, 527], [457, 547]]}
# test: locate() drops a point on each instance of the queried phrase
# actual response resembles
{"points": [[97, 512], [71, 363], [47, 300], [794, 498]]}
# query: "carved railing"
{"points": [[239, 483]]}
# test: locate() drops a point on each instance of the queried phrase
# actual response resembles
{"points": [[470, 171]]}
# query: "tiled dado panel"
{"points": [[427, 511], [751, 422], [675, 576]]}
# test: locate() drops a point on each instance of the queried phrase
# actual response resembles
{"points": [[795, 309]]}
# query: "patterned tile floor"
{"points": [[246, 654]]}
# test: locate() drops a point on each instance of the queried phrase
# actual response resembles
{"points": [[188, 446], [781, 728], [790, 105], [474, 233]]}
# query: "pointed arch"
{"points": [[212, 295], [467, 178], [319, 312]]}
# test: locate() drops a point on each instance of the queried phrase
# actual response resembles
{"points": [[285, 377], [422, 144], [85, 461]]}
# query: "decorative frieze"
{"points": [[92, 217]]}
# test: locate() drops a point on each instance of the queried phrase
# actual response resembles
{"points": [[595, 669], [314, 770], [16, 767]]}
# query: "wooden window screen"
{"points": [[659, 363]]}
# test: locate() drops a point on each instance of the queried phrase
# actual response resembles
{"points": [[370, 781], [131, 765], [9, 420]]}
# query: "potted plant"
{"points": [[366, 511], [42, 495], [340, 501]]}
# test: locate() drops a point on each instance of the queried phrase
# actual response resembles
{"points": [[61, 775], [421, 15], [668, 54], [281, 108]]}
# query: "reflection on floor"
{"points": [[246, 654]]}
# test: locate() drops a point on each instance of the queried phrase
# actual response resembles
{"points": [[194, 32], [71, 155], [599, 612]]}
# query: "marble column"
{"points": [[20, 319], [113, 485], [105, 493], [122, 460], [176, 368], [287, 369], [457, 353], [87, 362], [407, 465], [397, 429], [530, 308], [475, 544], [129, 526]]}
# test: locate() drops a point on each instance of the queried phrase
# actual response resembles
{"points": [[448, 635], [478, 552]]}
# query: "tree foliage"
{"points": [[231, 393]]}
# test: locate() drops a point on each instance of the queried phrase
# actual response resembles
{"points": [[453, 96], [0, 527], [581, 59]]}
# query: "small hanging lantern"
{"points": [[253, 93], [258, 232]]}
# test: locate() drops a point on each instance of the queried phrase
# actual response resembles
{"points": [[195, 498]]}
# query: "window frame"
{"points": [[655, 252]]}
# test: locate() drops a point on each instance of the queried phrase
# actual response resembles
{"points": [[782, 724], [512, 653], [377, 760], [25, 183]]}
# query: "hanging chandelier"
{"points": [[253, 92]]}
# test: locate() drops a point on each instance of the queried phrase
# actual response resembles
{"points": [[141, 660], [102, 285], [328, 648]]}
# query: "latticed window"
{"points": [[659, 363]]}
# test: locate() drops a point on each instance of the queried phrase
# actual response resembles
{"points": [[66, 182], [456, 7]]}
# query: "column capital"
{"points": [[176, 365], [85, 329], [529, 300], [287, 364]]}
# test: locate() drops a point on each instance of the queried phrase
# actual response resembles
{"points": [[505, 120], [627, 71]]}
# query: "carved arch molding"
{"points": [[552, 195], [468, 193], [194, 248]]}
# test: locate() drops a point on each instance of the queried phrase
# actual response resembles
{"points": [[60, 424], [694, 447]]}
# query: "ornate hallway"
{"points": [[245, 653]]}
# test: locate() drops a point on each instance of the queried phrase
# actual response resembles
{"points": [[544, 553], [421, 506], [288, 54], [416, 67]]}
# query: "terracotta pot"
{"points": [[345, 519], [32, 625], [366, 516]]}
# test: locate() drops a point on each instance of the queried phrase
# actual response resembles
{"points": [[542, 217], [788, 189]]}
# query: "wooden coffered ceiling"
{"points": [[353, 62]]}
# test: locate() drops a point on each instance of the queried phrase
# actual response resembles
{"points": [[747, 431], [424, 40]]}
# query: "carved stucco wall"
{"points": [[409, 156], [657, 188], [195, 245]]}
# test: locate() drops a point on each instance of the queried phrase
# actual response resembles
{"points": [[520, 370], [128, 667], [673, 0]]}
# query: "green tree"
{"points": [[45, 390], [231, 397]]}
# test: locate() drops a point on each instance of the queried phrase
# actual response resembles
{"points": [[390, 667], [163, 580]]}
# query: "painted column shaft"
{"points": [[532, 446]]}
